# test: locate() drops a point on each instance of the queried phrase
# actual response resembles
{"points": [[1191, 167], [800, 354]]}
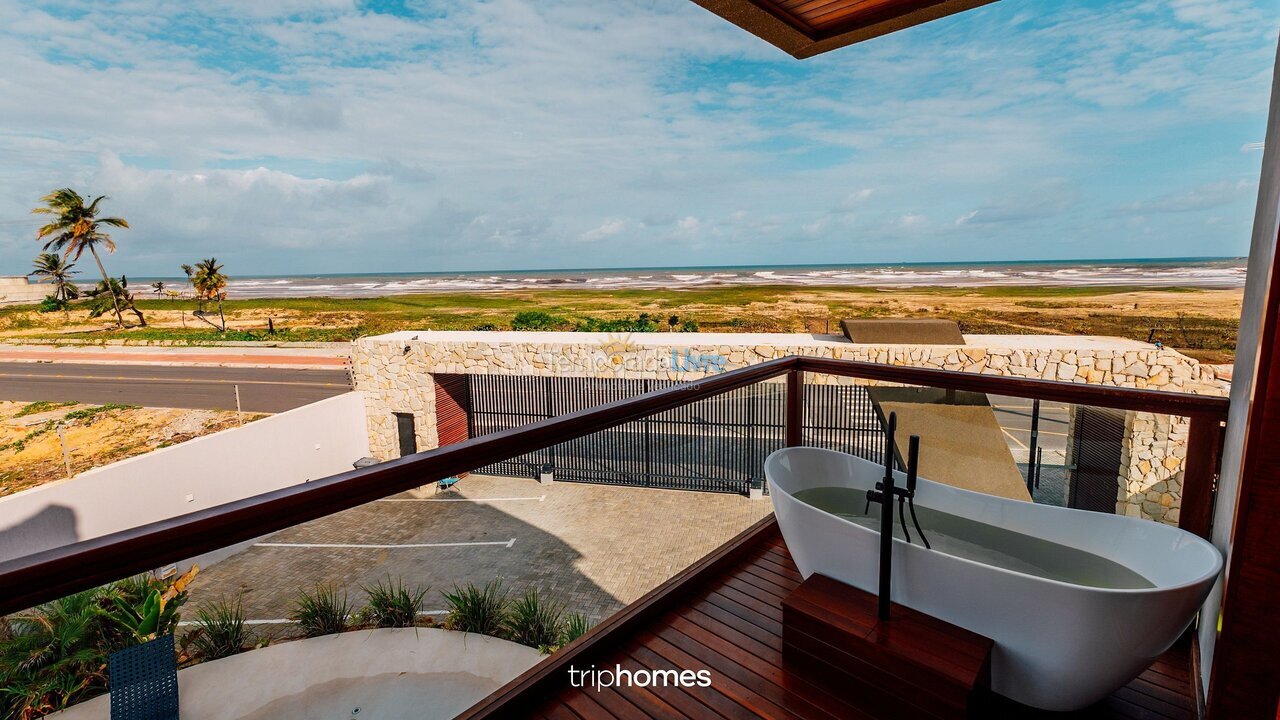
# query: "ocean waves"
{"points": [[1144, 273]]}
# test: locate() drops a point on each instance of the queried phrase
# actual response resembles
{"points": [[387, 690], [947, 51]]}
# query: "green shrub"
{"points": [[536, 320], [323, 612], [575, 626], [52, 304], [486, 327], [689, 326], [220, 630], [534, 621], [393, 605], [478, 610]]}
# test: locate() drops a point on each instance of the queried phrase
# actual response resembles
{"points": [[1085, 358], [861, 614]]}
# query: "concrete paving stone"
{"points": [[594, 548]]}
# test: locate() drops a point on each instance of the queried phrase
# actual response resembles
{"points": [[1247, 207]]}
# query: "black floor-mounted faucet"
{"points": [[884, 493]]}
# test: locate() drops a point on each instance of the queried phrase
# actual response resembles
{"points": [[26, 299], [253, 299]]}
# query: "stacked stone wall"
{"points": [[396, 376]]}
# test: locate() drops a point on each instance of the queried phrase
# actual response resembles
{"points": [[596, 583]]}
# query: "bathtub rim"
{"points": [[1200, 579]]}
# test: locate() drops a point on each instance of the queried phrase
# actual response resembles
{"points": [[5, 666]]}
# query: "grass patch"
{"points": [[322, 612], [535, 622], [762, 308], [42, 406], [220, 631], [478, 610], [393, 605], [575, 626]]}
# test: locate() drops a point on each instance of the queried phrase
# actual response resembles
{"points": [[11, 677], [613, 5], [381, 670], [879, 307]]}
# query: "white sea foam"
{"points": [[1189, 273]]}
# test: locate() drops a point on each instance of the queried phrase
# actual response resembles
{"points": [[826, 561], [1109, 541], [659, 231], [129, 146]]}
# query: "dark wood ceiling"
{"points": [[805, 28]]}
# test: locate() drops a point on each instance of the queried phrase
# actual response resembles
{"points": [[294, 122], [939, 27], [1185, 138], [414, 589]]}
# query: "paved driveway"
{"points": [[593, 548]]}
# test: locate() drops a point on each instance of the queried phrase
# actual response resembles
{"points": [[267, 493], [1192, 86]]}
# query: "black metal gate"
{"points": [[714, 445], [1096, 447]]}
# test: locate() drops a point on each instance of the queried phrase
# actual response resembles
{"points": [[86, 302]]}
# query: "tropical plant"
{"points": [[53, 268], [56, 656], [117, 292], [477, 610], [158, 288], [393, 605], [322, 612], [575, 626], [535, 622], [220, 630], [145, 607], [210, 285], [76, 227]]}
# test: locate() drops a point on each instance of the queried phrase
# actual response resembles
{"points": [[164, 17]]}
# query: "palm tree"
{"points": [[120, 297], [55, 657], [157, 287], [75, 228], [55, 269], [210, 286]]}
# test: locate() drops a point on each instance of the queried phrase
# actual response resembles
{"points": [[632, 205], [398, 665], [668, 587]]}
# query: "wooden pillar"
{"points": [[1245, 682], [795, 408], [1204, 455]]}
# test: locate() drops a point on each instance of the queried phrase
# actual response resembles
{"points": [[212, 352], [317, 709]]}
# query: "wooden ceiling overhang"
{"points": [[805, 28]]}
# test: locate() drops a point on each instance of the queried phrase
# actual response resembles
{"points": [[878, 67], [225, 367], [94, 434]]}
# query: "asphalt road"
{"points": [[213, 388]]}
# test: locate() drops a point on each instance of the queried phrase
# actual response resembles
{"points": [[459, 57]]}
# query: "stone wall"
{"points": [[395, 372]]}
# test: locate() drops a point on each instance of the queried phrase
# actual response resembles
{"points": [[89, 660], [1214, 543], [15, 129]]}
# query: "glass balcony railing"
{"points": [[524, 568]]}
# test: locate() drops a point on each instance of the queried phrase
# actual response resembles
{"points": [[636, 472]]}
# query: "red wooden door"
{"points": [[451, 410]]}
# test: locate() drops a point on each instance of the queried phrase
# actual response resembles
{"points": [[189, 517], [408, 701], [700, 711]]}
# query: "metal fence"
{"points": [[713, 445]]}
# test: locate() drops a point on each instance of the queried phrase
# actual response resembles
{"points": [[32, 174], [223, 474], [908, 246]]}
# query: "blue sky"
{"points": [[298, 136]]}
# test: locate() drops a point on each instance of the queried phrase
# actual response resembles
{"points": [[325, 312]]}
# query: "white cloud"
{"points": [[1203, 197], [321, 135], [606, 229]]}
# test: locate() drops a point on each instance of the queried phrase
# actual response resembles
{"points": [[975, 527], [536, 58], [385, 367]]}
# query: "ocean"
{"points": [[1178, 272]]}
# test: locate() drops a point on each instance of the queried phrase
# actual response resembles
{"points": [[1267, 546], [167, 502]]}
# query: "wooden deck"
{"points": [[725, 614]]}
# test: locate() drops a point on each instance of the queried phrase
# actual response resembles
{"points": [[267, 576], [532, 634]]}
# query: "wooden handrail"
{"points": [[1119, 398], [40, 577]]}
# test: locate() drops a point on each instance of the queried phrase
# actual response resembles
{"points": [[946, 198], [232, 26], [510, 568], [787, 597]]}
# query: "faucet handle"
{"points": [[913, 463]]}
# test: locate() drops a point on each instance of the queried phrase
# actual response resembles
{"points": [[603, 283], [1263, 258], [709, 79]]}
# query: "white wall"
{"points": [[313, 441]]}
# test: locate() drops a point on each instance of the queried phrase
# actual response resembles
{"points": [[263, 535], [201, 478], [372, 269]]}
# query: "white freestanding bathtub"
{"points": [[1058, 646]]}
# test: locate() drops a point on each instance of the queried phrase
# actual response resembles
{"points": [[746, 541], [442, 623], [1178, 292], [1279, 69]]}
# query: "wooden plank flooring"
{"points": [[729, 620]]}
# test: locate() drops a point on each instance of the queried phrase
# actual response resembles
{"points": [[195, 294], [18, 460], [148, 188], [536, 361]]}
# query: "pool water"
{"points": [[983, 543]]}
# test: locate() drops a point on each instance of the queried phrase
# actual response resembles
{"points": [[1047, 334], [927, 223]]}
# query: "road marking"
{"points": [[540, 498], [210, 381], [504, 543], [1040, 432], [1011, 437]]}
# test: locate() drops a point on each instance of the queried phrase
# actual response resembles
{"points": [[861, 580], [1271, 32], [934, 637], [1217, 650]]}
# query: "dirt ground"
{"points": [[31, 452]]}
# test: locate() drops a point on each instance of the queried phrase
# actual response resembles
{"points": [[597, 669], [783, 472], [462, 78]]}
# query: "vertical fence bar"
{"points": [[1204, 452], [795, 408]]}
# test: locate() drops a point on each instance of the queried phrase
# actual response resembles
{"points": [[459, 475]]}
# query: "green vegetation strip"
{"points": [[86, 415]]}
